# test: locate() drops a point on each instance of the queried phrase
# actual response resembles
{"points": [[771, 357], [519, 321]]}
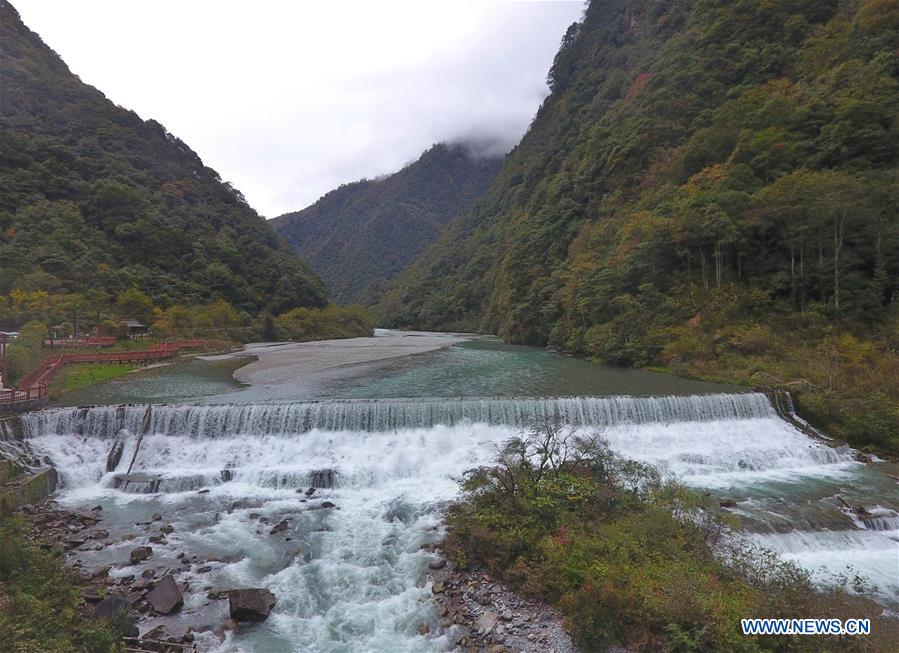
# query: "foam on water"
{"points": [[872, 555], [355, 581], [352, 578]]}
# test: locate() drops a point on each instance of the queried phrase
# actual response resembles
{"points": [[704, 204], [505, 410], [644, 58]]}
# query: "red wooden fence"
{"points": [[33, 392], [36, 383]]}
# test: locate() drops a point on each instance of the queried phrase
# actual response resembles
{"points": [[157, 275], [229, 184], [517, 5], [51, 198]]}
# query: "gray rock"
{"points": [[486, 622], [242, 504], [250, 604], [279, 527], [165, 597], [140, 554], [437, 564]]}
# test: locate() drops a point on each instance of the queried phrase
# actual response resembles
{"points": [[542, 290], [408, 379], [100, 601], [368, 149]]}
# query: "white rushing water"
{"points": [[352, 578]]}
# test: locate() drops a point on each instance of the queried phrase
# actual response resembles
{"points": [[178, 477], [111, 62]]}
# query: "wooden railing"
{"points": [[35, 384], [30, 393]]}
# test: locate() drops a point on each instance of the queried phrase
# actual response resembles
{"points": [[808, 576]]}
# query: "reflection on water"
{"points": [[487, 367]]}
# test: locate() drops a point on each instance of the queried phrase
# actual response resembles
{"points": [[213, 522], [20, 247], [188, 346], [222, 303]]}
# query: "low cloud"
{"points": [[289, 100]]}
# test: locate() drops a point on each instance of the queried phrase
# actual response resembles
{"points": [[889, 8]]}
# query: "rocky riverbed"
{"points": [[483, 614], [477, 612], [140, 604]]}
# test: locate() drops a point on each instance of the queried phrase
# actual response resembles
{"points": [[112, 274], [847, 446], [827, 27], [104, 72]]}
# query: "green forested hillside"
{"points": [[361, 235], [712, 188], [95, 200]]}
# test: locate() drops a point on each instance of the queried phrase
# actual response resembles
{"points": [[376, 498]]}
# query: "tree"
{"points": [[133, 304]]}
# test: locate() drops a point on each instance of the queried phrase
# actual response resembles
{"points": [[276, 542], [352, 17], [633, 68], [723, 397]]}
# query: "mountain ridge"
{"points": [[710, 188], [95, 198], [360, 235]]}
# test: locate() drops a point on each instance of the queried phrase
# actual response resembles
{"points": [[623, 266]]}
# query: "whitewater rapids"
{"points": [[352, 578]]}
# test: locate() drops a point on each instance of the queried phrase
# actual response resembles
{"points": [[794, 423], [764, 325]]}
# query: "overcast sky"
{"points": [[287, 100]]}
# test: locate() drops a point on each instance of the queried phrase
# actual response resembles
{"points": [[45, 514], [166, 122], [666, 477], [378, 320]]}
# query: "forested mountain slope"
{"points": [[361, 235], [711, 187], [94, 199]]}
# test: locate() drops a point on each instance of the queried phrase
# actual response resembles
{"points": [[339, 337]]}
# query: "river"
{"points": [[384, 428]]}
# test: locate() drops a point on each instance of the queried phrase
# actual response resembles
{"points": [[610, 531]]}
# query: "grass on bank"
{"points": [[631, 560], [81, 375], [39, 601]]}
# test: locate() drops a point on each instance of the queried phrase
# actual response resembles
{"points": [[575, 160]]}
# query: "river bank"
{"points": [[481, 613], [474, 611], [227, 467], [146, 595], [125, 600], [284, 370]]}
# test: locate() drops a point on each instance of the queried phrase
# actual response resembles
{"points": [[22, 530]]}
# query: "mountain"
{"points": [[711, 187], [93, 198], [361, 235]]}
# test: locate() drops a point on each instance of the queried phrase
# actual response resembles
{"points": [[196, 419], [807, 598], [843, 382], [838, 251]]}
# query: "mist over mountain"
{"points": [[711, 187], [361, 235]]}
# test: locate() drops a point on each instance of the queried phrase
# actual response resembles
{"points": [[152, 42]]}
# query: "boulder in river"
{"points": [[280, 526], [250, 604], [140, 554], [165, 597], [727, 502]]}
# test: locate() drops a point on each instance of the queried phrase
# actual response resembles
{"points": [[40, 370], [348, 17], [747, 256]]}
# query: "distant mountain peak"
{"points": [[359, 236]]}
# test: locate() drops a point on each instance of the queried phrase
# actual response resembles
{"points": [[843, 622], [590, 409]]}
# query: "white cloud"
{"points": [[287, 100]]}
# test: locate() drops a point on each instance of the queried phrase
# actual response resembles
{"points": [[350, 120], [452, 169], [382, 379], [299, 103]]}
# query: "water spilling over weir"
{"points": [[351, 578], [217, 421]]}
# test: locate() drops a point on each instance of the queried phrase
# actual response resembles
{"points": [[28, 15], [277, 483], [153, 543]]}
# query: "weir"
{"points": [[387, 462], [215, 421]]}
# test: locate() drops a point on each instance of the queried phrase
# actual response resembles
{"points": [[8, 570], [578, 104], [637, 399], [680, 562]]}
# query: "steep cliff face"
{"points": [[361, 235], [92, 197]]}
